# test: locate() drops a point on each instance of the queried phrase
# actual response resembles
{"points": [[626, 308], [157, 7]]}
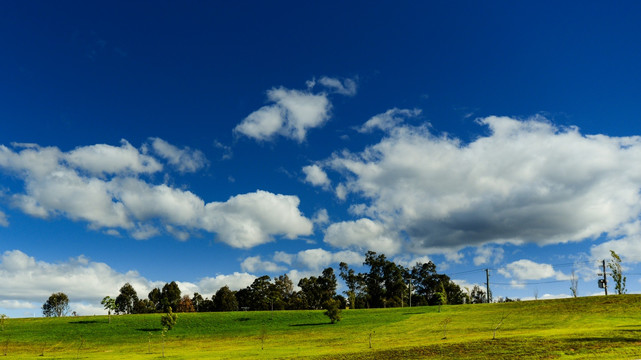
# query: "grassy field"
{"points": [[591, 327]]}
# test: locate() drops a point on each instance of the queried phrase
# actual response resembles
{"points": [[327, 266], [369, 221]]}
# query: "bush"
{"points": [[168, 320], [332, 310]]}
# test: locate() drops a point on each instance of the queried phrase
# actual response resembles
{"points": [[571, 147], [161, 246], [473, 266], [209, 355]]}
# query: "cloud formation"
{"points": [[185, 159], [316, 176], [105, 187], [291, 114], [527, 270], [526, 181], [27, 282]]}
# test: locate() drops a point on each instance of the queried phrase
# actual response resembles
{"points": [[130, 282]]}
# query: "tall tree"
{"points": [[425, 281], [225, 300], [477, 295], [317, 290], [394, 280], [126, 300], [351, 280], [261, 294], [281, 291], [185, 305], [375, 279], [56, 306], [198, 300], [170, 296], [109, 304], [617, 274], [155, 296]]}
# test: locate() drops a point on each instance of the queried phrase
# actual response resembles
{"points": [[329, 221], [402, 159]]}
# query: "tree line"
{"points": [[384, 284]]}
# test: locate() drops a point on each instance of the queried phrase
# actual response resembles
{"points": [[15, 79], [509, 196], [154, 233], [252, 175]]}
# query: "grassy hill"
{"points": [[591, 327]]}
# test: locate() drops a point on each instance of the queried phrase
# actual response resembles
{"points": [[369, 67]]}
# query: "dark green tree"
{"points": [[155, 296], [197, 301], [375, 279], [170, 296], [281, 291], [225, 300], [56, 306], [126, 300]]}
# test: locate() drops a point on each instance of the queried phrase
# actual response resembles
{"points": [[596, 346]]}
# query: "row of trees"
{"points": [[385, 284]]}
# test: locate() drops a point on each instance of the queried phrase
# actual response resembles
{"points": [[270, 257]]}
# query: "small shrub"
{"points": [[332, 310], [168, 320]]}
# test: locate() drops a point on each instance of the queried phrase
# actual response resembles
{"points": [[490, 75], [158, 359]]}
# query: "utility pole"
{"points": [[487, 284], [603, 283]]}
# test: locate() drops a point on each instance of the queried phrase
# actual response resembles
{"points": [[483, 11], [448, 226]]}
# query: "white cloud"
{"points": [[388, 120], [363, 234], [409, 261], [185, 159], [316, 176], [27, 283], [488, 254], [27, 280], [321, 217], [106, 159], [235, 281], [346, 87], [524, 270], [251, 219], [625, 244], [526, 181], [341, 192], [256, 264], [291, 115], [108, 197], [317, 259], [4, 221]]}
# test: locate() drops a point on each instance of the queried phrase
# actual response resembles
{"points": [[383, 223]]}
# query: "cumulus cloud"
{"points": [[525, 181], [388, 120], [316, 176], [185, 159], [524, 270], [291, 114], [28, 282], [106, 159], [363, 234], [235, 281], [256, 264], [251, 219], [110, 196]]}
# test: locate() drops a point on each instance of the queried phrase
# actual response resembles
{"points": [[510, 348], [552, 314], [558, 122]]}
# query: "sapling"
{"points": [[498, 325], [444, 323]]}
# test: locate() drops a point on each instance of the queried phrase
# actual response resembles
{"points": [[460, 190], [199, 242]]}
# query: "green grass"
{"points": [[591, 327]]}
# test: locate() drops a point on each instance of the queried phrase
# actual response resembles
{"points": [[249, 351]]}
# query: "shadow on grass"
{"points": [[315, 324], [611, 339], [83, 322], [149, 330], [243, 319]]}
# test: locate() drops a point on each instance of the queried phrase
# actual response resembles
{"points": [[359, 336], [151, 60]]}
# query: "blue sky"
{"points": [[211, 143]]}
